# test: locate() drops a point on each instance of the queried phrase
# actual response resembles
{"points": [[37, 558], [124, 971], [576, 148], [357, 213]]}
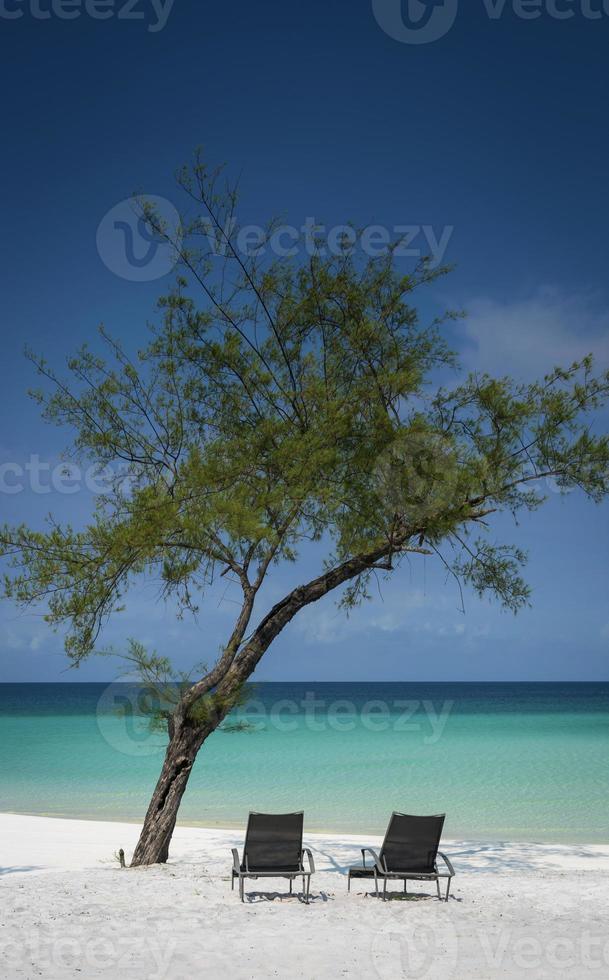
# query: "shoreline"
{"points": [[328, 832], [34, 832]]}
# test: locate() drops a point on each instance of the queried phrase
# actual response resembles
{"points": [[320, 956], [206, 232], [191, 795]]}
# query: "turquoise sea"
{"points": [[505, 761]]}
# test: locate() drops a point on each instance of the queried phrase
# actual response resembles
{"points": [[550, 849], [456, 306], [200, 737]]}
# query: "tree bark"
{"points": [[184, 743]]}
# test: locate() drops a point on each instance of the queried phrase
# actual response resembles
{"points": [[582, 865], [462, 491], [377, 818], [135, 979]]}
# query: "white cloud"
{"points": [[528, 337], [446, 627], [27, 636], [325, 623], [399, 611]]}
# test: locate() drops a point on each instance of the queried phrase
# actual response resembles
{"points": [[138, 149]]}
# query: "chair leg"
{"points": [[376, 884], [438, 888], [308, 889], [349, 882], [232, 882], [405, 883], [448, 889], [291, 883], [242, 888], [384, 889]]}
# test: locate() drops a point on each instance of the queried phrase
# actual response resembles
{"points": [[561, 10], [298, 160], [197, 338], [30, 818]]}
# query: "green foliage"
{"points": [[292, 405], [160, 689], [211, 708], [162, 692]]}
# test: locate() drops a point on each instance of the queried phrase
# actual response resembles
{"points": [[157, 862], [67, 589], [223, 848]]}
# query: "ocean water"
{"points": [[504, 761]]}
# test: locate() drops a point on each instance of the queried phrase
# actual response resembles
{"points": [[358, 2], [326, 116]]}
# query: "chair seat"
{"points": [[291, 869], [421, 875], [359, 871]]}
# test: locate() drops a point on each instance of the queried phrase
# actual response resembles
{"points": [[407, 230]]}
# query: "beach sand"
{"points": [[68, 910]]}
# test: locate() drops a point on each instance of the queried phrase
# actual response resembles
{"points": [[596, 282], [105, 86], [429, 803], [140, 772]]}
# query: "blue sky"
{"points": [[496, 131]]}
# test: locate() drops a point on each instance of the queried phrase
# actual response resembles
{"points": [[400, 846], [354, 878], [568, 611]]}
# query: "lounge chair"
{"points": [[409, 852], [273, 849]]}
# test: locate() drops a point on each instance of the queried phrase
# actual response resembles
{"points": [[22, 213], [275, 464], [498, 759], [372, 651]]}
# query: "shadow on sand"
{"points": [[474, 856], [16, 870], [315, 898]]}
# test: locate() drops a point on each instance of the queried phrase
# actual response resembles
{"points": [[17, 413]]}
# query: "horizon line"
{"points": [[393, 681]]}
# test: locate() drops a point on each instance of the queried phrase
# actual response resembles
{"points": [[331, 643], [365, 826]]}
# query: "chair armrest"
{"points": [[375, 856], [451, 870], [236, 862], [307, 851]]}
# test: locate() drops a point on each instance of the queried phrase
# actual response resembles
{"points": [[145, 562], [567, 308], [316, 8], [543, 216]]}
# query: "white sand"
{"points": [[68, 910]]}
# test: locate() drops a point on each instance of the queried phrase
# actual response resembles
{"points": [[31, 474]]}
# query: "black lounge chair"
{"points": [[273, 849], [409, 851]]}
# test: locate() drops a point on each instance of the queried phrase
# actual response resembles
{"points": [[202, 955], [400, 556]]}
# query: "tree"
{"points": [[294, 405]]}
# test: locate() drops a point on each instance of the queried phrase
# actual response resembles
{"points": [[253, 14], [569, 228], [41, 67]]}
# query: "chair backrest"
{"points": [[411, 843], [273, 840]]}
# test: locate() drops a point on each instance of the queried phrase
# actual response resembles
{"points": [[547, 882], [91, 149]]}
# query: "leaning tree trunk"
{"points": [[186, 738], [184, 743]]}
